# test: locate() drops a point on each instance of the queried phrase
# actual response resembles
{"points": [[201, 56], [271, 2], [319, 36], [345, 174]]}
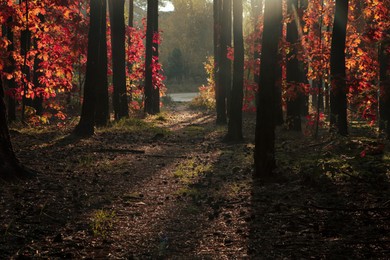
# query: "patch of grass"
{"points": [[102, 222], [189, 170], [86, 161], [194, 130]]}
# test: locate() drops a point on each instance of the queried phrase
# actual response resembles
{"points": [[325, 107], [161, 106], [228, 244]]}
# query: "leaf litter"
{"points": [[167, 187]]}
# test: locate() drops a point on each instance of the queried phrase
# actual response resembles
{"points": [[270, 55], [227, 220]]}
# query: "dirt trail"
{"points": [[167, 188]]}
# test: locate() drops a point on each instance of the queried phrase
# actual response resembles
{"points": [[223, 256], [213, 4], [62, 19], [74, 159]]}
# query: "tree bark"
{"points": [[384, 99], [338, 92], [217, 9], [102, 113], [37, 101], [10, 83], [149, 87], [129, 64], [237, 92], [264, 155], [92, 78], [156, 89], [10, 167], [225, 63], [293, 72], [118, 37]]}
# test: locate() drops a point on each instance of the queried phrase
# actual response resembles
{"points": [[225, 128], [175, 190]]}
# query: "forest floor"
{"points": [[167, 187]]}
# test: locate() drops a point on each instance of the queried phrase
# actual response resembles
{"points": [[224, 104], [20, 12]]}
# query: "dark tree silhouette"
{"points": [[149, 87], [264, 155], [156, 89], [118, 37], [237, 93], [217, 9], [338, 92], [130, 24], [293, 71], [384, 106], [224, 63], [96, 75], [10, 83], [10, 167], [102, 114]]}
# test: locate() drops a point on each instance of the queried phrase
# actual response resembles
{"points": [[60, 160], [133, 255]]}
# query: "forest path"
{"points": [[166, 187]]}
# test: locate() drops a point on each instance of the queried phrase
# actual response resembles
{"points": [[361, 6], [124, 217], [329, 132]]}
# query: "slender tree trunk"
{"points": [[25, 45], [11, 85], [217, 46], [225, 63], [149, 88], [237, 92], [102, 113], [118, 37], [92, 78], [384, 99], [257, 10], [293, 71], [156, 89], [129, 64], [338, 92], [37, 102], [264, 155]]}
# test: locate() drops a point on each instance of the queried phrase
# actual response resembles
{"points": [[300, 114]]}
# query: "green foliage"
{"points": [[190, 169], [206, 98], [102, 222]]}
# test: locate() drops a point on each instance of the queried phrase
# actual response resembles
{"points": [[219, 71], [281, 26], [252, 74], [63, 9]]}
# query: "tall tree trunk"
{"points": [[37, 102], [384, 100], [237, 93], [156, 89], [25, 45], [92, 77], [264, 155], [293, 72], [102, 113], [338, 92], [225, 63], [129, 64], [118, 37], [217, 9], [149, 88], [10, 167], [10, 83], [257, 10]]}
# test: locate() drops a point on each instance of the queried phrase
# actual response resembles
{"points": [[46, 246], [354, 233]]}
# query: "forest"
{"points": [[283, 153]]}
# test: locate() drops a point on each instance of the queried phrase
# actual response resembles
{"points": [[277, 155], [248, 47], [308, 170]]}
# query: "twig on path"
{"points": [[143, 152]]}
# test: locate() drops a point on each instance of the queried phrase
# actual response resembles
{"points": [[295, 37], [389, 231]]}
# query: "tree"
{"points": [[117, 19], [225, 64], [237, 94], [176, 65], [217, 8], [10, 167], [96, 74], [264, 155], [150, 97], [384, 105], [338, 92], [10, 83], [293, 71], [102, 114], [156, 89]]}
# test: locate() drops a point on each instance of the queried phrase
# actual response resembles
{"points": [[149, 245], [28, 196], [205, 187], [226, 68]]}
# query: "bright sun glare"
{"points": [[168, 7]]}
